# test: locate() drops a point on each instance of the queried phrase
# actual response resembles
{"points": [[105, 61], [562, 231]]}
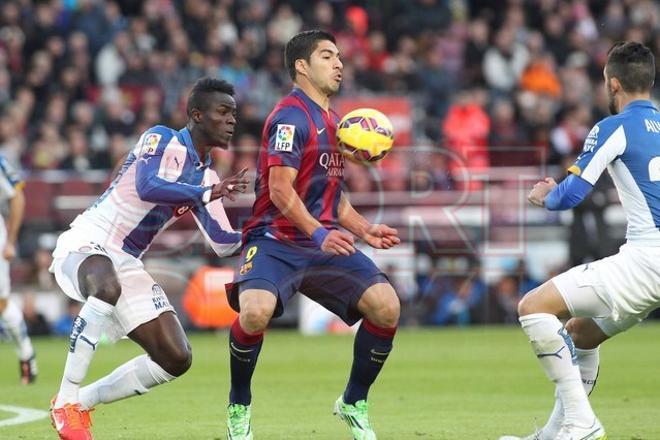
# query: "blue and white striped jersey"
{"points": [[628, 145], [160, 181], [10, 180]]}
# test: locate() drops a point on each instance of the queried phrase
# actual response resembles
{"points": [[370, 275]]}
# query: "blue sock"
{"points": [[244, 350], [372, 346]]}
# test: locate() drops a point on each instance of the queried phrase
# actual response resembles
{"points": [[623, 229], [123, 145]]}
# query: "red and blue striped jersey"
{"points": [[300, 134]]}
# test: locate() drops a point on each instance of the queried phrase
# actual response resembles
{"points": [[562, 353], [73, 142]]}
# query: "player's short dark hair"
{"points": [[201, 90], [301, 46], [633, 64]]}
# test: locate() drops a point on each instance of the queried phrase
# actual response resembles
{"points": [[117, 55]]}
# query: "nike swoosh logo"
{"points": [[239, 350], [378, 353], [320, 131]]}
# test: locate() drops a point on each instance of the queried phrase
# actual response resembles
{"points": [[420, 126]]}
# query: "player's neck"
{"points": [[627, 98], [199, 144], [314, 94]]}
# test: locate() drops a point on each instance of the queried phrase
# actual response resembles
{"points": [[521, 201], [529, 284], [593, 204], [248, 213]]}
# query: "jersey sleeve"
{"points": [[159, 165], [287, 135], [568, 194], [10, 180], [606, 141], [213, 223]]}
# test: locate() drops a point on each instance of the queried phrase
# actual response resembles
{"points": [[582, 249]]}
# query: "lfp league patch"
{"points": [[150, 143], [284, 137]]}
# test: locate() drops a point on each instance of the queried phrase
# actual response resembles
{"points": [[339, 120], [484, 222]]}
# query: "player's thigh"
{"points": [[71, 254], [339, 282], [380, 305], [583, 291], [142, 300], [544, 299], [267, 265]]}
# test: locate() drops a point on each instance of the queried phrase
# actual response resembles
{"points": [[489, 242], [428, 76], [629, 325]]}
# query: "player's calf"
{"points": [[134, 378], [585, 333]]}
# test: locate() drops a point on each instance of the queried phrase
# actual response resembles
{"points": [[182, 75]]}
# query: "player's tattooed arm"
{"points": [[284, 197]]}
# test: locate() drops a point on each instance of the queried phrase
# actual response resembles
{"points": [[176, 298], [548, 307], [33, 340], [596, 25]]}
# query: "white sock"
{"points": [[588, 361], [15, 324], [553, 425], [85, 334], [554, 348], [134, 378]]}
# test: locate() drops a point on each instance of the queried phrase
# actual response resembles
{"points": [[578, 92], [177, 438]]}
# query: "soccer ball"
{"points": [[365, 135]]}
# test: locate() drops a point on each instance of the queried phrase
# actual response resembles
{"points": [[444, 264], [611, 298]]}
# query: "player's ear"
{"points": [[196, 115], [301, 66], [615, 85]]}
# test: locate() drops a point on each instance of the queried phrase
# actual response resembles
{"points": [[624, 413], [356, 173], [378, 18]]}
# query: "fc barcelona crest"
{"points": [[245, 268]]}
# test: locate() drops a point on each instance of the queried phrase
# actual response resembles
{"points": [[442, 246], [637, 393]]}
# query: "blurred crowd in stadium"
{"points": [[81, 79]]}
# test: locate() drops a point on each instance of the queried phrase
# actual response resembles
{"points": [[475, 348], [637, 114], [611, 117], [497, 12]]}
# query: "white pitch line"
{"points": [[23, 415]]}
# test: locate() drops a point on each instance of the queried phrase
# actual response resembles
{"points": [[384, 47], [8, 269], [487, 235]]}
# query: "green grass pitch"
{"points": [[451, 384]]}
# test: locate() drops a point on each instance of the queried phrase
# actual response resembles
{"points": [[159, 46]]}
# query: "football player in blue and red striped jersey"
{"points": [[301, 238]]}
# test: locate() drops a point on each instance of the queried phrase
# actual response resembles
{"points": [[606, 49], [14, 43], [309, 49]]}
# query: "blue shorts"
{"points": [[334, 281]]}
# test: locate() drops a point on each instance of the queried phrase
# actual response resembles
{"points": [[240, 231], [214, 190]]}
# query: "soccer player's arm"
{"points": [[376, 235], [288, 134], [350, 219], [12, 185], [604, 144], [213, 223], [159, 166]]}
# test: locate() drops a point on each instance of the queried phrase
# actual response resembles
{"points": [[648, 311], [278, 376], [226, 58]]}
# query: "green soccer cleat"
{"points": [[238, 422], [357, 418]]}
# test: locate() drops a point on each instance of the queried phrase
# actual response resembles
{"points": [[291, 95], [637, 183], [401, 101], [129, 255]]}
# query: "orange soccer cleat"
{"points": [[71, 421]]}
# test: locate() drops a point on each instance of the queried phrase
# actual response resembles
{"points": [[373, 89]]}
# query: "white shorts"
{"points": [[617, 291], [141, 300]]}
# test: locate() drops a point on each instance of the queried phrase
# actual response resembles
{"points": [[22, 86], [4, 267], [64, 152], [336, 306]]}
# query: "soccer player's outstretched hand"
{"points": [[338, 243], [541, 189], [236, 183], [382, 237], [9, 252]]}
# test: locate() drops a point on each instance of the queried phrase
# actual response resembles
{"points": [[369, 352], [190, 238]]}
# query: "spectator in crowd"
{"points": [[35, 321]]}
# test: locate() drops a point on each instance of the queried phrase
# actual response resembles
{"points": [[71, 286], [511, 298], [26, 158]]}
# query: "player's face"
{"points": [[325, 67], [218, 121], [610, 94]]}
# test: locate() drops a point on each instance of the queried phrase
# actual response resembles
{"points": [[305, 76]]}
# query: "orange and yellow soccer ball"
{"points": [[365, 135]]}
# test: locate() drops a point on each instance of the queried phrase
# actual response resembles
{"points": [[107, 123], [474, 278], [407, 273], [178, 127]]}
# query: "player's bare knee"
{"points": [[178, 359], [97, 277], [255, 318], [387, 315], [532, 302]]}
